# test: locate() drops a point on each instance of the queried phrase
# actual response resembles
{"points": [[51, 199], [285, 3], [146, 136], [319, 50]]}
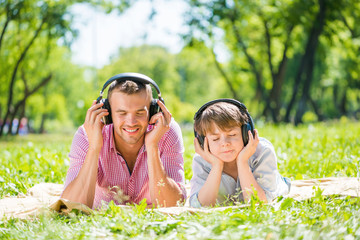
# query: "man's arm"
{"points": [[164, 191], [82, 188]]}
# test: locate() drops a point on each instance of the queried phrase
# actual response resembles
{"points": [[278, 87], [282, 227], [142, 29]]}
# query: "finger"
{"points": [[100, 116], [93, 107], [158, 117], [206, 145], [87, 117], [95, 113], [257, 138], [251, 138], [256, 134], [165, 111], [198, 149]]}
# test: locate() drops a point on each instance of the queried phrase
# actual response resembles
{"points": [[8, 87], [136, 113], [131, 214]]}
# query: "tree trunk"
{"points": [[13, 77], [278, 78], [260, 95], [42, 125], [305, 69], [21, 116], [314, 37], [27, 94], [317, 110], [342, 106], [4, 30]]}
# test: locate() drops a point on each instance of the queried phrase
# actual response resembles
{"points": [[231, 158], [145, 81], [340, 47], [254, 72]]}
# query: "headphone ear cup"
{"points": [[107, 119], [154, 108], [200, 138], [244, 130]]}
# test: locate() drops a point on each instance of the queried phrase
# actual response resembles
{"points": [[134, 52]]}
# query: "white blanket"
{"points": [[45, 196]]}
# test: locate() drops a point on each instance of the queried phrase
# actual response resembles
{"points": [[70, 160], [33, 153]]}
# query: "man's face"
{"points": [[225, 145], [130, 115]]}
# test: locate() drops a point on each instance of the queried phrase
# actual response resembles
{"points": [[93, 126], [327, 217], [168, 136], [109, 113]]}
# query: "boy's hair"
{"points": [[129, 87], [224, 115]]}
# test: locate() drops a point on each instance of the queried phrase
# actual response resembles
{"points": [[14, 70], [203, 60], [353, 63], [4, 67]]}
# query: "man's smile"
{"points": [[131, 130]]}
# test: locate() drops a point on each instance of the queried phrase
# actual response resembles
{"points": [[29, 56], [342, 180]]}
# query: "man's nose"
{"points": [[131, 119]]}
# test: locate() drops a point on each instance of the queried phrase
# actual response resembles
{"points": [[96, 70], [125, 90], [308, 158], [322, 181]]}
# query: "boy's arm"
{"points": [[246, 177], [265, 171], [209, 191]]}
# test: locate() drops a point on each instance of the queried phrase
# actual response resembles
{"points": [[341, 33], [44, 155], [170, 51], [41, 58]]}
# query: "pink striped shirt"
{"points": [[113, 173]]}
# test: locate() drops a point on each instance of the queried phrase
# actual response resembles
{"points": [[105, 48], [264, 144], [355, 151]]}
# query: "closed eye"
{"points": [[141, 113]]}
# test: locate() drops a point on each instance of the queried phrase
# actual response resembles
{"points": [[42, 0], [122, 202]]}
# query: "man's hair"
{"points": [[129, 87], [224, 115]]}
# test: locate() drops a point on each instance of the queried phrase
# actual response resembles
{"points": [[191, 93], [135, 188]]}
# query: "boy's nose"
{"points": [[225, 142]]}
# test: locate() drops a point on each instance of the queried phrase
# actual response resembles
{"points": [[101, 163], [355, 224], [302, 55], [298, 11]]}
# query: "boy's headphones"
{"points": [[244, 128], [136, 77]]}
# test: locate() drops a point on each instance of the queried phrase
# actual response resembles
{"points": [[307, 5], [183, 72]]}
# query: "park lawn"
{"points": [[308, 151]]}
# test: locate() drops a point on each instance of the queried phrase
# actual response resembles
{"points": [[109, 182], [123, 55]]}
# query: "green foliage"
{"points": [[186, 80], [308, 151], [268, 54]]}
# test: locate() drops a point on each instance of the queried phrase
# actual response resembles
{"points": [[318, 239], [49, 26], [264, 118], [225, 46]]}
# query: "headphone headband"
{"points": [[136, 77], [249, 126], [227, 100]]}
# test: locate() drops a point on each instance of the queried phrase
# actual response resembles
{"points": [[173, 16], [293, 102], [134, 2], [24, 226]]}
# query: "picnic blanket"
{"points": [[45, 196]]}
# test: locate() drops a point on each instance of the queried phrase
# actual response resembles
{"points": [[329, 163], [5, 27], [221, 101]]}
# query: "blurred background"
{"points": [[288, 61]]}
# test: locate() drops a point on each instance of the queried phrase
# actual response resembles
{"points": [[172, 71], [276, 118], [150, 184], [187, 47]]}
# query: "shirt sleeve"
{"points": [[79, 148], [171, 154], [264, 167], [200, 174]]}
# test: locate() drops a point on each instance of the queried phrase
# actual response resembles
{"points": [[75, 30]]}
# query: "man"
{"points": [[131, 159]]}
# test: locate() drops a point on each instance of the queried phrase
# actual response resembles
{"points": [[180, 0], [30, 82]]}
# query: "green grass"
{"points": [[308, 151]]}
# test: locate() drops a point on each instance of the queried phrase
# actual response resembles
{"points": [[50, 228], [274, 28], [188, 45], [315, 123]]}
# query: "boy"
{"points": [[231, 160]]}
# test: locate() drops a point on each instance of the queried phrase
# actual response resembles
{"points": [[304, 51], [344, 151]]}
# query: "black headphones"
{"points": [[136, 77], [244, 128]]}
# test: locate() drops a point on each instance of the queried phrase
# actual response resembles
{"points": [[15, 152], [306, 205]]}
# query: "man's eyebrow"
{"points": [[138, 110]]}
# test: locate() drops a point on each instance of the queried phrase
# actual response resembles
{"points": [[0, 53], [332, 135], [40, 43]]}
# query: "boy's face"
{"points": [[225, 145]]}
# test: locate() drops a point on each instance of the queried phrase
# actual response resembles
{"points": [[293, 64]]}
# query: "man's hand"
{"points": [[161, 121], [93, 125], [206, 154], [249, 149]]}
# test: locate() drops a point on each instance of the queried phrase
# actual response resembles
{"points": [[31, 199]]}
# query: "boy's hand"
{"points": [[206, 154], [249, 149]]}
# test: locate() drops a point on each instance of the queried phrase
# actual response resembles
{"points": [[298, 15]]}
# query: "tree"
{"points": [[26, 24], [265, 40]]}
